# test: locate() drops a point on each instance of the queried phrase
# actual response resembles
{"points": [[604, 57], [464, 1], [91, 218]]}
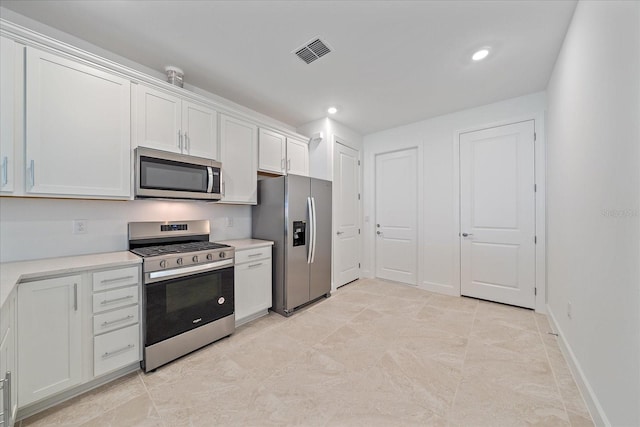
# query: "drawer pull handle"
{"points": [[120, 350], [254, 255], [111, 301], [117, 279], [255, 265], [111, 322]]}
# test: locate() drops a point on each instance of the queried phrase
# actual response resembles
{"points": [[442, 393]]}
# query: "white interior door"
{"points": [[396, 216], [347, 224], [497, 214]]}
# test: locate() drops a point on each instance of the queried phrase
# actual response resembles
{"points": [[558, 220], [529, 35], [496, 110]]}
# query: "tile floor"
{"points": [[374, 354]]}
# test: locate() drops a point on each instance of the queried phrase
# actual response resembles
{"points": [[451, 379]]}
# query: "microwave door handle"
{"points": [[210, 184]]}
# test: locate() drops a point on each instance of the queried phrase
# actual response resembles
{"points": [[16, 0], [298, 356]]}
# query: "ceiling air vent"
{"points": [[313, 50]]}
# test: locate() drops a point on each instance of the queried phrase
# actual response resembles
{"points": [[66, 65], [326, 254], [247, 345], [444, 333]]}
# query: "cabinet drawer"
{"points": [[116, 350], [115, 278], [111, 320], [116, 298], [253, 254]]}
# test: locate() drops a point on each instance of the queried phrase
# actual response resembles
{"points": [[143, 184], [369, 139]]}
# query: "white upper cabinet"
{"points": [[200, 130], [297, 157], [78, 127], [239, 157], [159, 119], [272, 152], [7, 99], [168, 122]]}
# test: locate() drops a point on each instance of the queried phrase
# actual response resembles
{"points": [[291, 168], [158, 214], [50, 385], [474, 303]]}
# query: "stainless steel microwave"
{"points": [[165, 175]]}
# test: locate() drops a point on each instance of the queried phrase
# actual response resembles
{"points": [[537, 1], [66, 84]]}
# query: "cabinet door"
{"points": [[239, 157], [252, 288], [200, 130], [7, 97], [77, 129], [159, 116], [49, 335], [8, 357], [272, 149], [297, 157]]}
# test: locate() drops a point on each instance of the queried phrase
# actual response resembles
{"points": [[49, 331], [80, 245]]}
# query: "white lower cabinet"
{"points": [[75, 329], [253, 295], [9, 401], [116, 349], [49, 337]]}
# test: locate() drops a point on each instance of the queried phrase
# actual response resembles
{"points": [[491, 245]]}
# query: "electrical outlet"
{"points": [[79, 226], [569, 314], [229, 221]]}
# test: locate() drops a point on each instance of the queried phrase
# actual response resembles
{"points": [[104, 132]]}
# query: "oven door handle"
{"points": [[185, 271]]}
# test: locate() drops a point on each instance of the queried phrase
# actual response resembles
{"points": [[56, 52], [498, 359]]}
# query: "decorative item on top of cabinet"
{"points": [[168, 122], [253, 290], [7, 98], [297, 157], [239, 158], [78, 129], [272, 152]]}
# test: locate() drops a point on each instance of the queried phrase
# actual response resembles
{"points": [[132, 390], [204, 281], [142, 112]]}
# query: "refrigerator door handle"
{"points": [[310, 240], [313, 247]]}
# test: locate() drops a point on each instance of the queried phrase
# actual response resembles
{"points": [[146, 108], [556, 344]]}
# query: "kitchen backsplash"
{"points": [[43, 228]]}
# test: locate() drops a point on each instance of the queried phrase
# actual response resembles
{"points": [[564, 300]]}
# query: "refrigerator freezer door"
{"points": [[296, 285], [320, 274]]}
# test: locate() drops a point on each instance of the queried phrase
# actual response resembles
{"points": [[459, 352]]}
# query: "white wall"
{"points": [[321, 153], [435, 139], [594, 203], [42, 228]]}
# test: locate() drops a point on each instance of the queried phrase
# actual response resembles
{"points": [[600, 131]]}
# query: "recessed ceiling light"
{"points": [[332, 110], [480, 55]]}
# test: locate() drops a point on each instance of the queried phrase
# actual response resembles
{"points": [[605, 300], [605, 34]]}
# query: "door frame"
{"points": [[419, 211], [342, 141], [540, 203]]}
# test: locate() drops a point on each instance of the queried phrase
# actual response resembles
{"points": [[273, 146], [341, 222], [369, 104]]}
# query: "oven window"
{"points": [[178, 305], [161, 174]]}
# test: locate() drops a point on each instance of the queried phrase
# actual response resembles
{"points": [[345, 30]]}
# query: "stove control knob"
{"points": [[195, 258], [209, 257], [221, 255], [179, 261], [163, 264]]}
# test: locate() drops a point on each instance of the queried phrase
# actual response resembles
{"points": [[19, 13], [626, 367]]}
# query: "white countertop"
{"points": [[242, 244], [12, 273]]}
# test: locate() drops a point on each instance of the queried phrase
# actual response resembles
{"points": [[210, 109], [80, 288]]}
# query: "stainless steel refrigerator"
{"points": [[295, 212]]}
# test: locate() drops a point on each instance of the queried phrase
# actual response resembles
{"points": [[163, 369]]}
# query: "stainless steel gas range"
{"points": [[188, 297]]}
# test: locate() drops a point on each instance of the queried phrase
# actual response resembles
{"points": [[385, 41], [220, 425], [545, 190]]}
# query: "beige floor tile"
{"points": [[376, 353]]}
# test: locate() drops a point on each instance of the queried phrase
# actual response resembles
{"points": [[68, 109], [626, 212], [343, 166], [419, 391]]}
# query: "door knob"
{"points": [[467, 234], [379, 232], [378, 225], [339, 232]]}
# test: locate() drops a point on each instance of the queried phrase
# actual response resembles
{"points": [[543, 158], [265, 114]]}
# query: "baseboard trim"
{"points": [[58, 398], [593, 404], [440, 288]]}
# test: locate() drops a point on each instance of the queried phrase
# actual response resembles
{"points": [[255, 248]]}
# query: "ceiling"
{"points": [[392, 62]]}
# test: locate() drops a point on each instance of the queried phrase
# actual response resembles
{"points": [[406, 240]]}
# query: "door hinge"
{"points": [[535, 291], [358, 231], [358, 196], [535, 136], [535, 188], [535, 240], [358, 265]]}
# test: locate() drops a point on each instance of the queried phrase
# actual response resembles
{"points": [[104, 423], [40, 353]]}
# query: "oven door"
{"points": [[178, 305]]}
